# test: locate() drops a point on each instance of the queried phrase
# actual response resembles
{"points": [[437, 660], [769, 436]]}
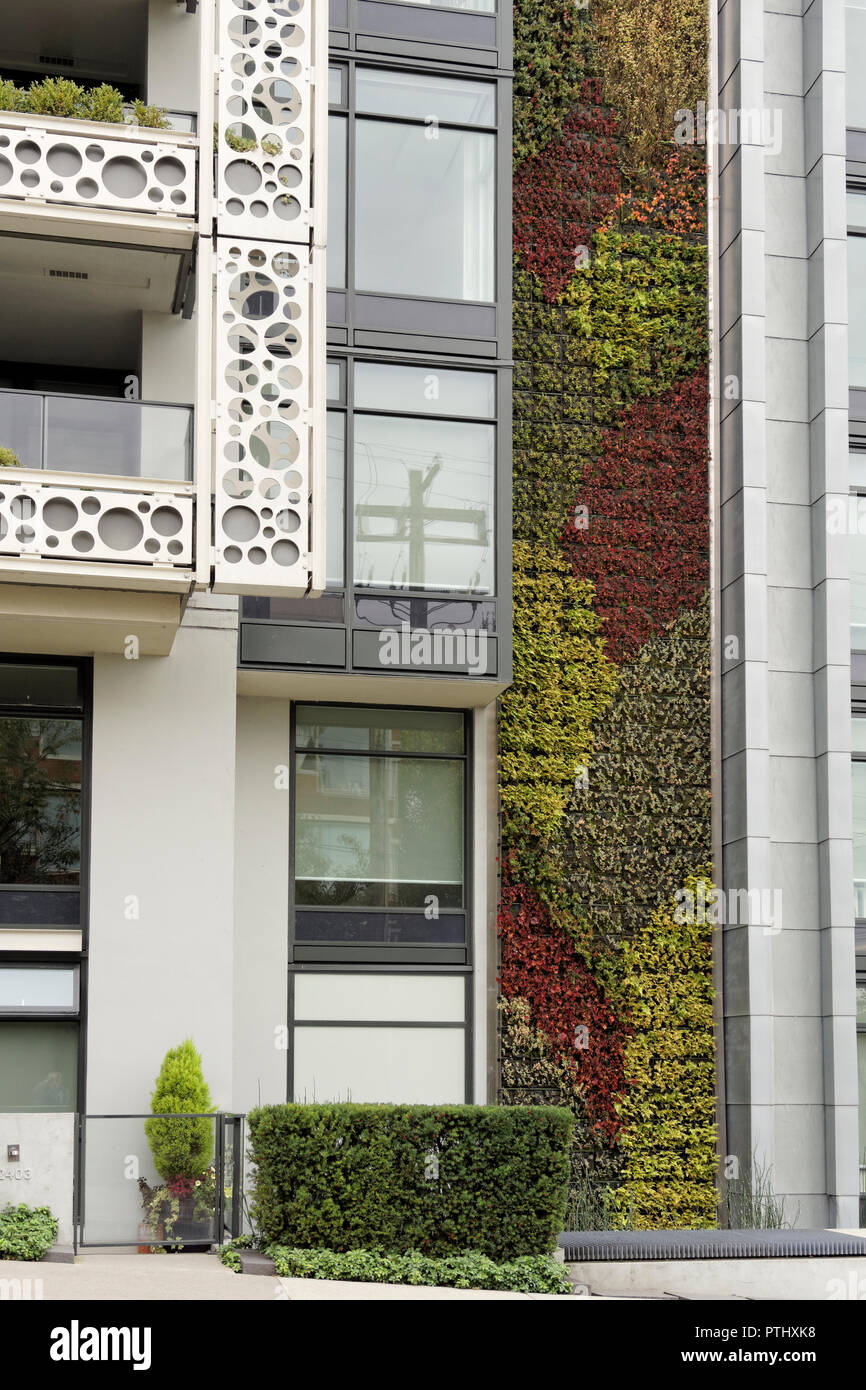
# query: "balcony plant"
{"points": [[8, 458], [183, 1203], [60, 96]]}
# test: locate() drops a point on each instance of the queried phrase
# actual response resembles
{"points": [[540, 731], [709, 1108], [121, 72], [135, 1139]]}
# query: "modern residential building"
{"points": [[426, 563]]}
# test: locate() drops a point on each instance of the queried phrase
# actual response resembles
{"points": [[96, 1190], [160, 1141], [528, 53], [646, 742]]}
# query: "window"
{"points": [[855, 50], [857, 288], [38, 1037], [423, 479], [861, 1087], [424, 180], [41, 762], [379, 823], [856, 532]]}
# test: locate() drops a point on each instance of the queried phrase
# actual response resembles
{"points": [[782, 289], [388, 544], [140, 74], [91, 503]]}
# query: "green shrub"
{"points": [[527, 1274], [12, 98], [437, 1179], [8, 458], [102, 103], [155, 117], [26, 1233], [56, 96], [181, 1148]]}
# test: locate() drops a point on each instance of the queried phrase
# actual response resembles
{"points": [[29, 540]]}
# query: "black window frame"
{"points": [[384, 953]]}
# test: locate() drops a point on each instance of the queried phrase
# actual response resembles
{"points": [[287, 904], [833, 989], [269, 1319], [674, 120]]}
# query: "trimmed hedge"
{"points": [[440, 1180]]}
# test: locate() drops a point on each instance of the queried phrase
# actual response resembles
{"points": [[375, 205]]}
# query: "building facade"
{"points": [[427, 563]]}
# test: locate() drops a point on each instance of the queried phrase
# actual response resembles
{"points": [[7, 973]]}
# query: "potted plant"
{"points": [[181, 1206]]}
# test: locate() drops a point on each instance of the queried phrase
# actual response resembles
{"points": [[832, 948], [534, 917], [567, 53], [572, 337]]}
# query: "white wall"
{"points": [[162, 845], [172, 57], [261, 903], [167, 358]]}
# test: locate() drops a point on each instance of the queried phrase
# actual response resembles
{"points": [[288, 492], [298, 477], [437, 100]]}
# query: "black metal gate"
{"points": [[121, 1199]]}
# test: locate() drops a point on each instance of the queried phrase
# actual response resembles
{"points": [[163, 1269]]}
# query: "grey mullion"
{"points": [[367, 753], [372, 1023], [421, 122]]}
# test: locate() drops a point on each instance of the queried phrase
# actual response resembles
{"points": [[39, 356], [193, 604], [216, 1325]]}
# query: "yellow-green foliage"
{"points": [[562, 681], [668, 1109], [651, 56]]}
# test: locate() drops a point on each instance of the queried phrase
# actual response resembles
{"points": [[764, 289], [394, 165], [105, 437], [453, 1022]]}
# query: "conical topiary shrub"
{"points": [[181, 1148]]}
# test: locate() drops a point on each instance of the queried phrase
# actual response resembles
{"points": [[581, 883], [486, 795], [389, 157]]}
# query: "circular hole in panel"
{"points": [[253, 295], [175, 548], [95, 153], [270, 187], [27, 152], [242, 176], [286, 265], [243, 65], [270, 391], [234, 207], [5, 170], [288, 522], [151, 546], [257, 556], [241, 375], [234, 431], [232, 554], [91, 505], [290, 67], [265, 411], [286, 208], [166, 521], [268, 488], [290, 377], [246, 33], [240, 407], [63, 160], [285, 553], [4, 141], [52, 542], [288, 410], [178, 197], [294, 497], [257, 257], [240, 524], [259, 209], [290, 175], [266, 513], [155, 195], [238, 483], [267, 169], [269, 533], [147, 156], [293, 479], [144, 507], [237, 106], [56, 187], [123, 177], [292, 35], [234, 451], [25, 534], [120, 529], [274, 445], [22, 507], [82, 541], [245, 4], [60, 514], [169, 171], [240, 137], [282, 339], [30, 178]]}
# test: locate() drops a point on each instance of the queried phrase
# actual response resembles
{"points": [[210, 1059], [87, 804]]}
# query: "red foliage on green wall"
{"points": [[564, 192], [646, 543], [539, 963]]}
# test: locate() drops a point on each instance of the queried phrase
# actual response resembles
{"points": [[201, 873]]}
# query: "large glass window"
{"points": [[424, 183], [858, 772], [379, 809], [424, 485], [855, 52], [857, 289]]}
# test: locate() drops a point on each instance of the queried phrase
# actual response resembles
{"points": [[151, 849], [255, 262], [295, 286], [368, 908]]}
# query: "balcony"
{"points": [[86, 177], [95, 492]]}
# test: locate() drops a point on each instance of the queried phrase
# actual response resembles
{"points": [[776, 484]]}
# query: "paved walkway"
{"points": [[99, 1275]]}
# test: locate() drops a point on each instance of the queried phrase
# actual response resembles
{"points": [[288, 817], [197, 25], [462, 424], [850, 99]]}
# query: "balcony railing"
{"points": [[138, 508], [92, 434], [93, 164]]}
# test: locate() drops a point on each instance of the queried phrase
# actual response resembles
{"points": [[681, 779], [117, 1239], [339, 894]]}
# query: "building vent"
{"points": [[68, 275], [51, 62]]}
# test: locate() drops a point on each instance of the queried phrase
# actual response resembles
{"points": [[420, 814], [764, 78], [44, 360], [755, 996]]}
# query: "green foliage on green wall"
{"points": [[668, 1109]]}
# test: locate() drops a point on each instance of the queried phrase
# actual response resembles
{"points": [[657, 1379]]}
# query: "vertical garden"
{"points": [[606, 997]]}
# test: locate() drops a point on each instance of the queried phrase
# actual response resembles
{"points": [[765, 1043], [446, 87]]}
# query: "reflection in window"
{"points": [[334, 513], [861, 1088], [40, 800], [425, 211], [424, 498], [38, 1066], [856, 537], [378, 832]]}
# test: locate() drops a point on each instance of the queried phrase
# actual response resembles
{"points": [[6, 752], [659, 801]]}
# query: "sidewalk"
{"points": [[101, 1275]]}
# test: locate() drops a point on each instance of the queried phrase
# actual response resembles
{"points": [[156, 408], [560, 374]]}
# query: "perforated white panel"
{"points": [[265, 118], [80, 523], [262, 428], [95, 168]]}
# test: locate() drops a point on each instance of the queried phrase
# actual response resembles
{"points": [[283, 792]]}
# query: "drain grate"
{"points": [[586, 1246]]}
